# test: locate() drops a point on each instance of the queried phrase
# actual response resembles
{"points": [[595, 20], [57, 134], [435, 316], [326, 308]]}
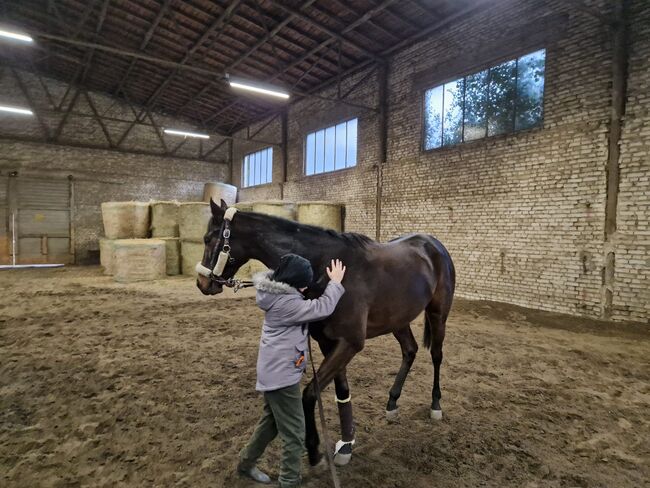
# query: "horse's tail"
{"points": [[427, 340], [438, 308]]}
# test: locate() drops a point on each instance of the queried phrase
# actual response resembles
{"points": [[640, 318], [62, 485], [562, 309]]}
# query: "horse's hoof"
{"points": [[435, 414], [343, 453], [392, 415], [315, 461]]}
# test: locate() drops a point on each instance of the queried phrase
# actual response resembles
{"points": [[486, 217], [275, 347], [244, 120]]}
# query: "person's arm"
{"points": [[298, 311]]}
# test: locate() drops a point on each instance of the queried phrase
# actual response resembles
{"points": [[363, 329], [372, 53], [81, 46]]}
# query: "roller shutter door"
{"points": [[42, 220]]}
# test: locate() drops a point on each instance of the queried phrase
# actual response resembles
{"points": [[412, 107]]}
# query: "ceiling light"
{"points": [[15, 36], [186, 134], [257, 87], [15, 110]]}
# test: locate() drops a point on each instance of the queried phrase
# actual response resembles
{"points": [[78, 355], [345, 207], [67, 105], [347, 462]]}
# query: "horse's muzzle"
{"points": [[207, 286]]}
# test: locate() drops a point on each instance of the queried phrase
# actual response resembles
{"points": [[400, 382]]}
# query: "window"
{"points": [[332, 148], [257, 168], [501, 99]]}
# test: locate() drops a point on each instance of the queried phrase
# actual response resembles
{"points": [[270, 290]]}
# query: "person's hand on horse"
{"points": [[336, 271]]}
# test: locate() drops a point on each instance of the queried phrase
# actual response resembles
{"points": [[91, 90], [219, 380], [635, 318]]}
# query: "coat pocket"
{"points": [[300, 358]]}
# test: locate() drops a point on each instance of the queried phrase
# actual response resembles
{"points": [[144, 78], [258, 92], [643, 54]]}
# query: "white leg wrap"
{"points": [[392, 415], [341, 459], [347, 400], [436, 414]]}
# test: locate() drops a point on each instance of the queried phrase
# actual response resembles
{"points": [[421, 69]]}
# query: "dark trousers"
{"points": [[282, 415]]}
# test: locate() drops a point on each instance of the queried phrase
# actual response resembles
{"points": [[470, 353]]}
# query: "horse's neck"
{"points": [[271, 242]]}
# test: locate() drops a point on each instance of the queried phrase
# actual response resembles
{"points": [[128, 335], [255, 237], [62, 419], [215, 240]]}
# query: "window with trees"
{"points": [[505, 98], [332, 148], [257, 168]]}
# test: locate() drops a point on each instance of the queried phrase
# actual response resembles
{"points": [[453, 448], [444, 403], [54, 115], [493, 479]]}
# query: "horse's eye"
{"points": [[206, 239]]}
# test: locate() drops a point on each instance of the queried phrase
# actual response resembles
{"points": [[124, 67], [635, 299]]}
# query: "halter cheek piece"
{"points": [[223, 257]]}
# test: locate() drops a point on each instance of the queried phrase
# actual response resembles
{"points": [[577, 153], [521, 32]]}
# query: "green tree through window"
{"points": [[502, 99]]}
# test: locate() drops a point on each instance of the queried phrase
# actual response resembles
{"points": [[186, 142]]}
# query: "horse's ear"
{"points": [[216, 209], [224, 205]]}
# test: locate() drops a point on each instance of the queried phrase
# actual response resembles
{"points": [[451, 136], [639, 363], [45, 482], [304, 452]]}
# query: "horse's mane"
{"points": [[350, 238]]}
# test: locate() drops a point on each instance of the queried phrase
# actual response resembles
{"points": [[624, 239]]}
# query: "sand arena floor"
{"points": [[153, 385]]}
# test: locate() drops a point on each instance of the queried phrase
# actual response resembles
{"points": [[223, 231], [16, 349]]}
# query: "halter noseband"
{"points": [[223, 258]]}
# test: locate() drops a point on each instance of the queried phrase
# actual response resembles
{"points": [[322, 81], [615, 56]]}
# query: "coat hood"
{"points": [[268, 291]]}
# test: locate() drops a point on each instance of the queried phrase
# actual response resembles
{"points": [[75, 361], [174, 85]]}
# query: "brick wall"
{"points": [[522, 214], [99, 174], [632, 239]]}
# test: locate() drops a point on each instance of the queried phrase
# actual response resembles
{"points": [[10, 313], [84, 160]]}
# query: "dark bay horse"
{"points": [[386, 287]]}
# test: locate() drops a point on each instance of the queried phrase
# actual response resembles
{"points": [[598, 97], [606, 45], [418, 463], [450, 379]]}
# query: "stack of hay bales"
{"points": [[323, 214], [139, 260], [164, 226], [126, 220], [193, 224], [122, 220]]}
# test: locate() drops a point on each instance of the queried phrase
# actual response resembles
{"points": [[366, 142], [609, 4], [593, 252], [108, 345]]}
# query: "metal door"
{"points": [[40, 211]]}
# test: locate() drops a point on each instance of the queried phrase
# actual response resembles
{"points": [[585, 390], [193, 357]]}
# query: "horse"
{"points": [[387, 285]]}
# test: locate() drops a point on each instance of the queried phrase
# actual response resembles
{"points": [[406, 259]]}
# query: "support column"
{"points": [[617, 112], [285, 150], [231, 156], [382, 82]]}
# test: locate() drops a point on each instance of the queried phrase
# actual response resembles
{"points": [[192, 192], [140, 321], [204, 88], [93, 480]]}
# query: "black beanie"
{"points": [[293, 270]]}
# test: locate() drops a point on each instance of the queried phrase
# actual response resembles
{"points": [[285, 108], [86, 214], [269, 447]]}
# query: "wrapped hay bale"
{"points": [[106, 258], [191, 253], [193, 218], [322, 214], [219, 191], [172, 255], [125, 220], [278, 208], [139, 260], [164, 219], [244, 206]]}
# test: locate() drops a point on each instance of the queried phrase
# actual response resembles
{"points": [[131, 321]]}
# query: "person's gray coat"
{"points": [[285, 333]]}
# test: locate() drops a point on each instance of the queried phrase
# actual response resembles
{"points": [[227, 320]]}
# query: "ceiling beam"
{"points": [[336, 35], [145, 41], [364, 18]]}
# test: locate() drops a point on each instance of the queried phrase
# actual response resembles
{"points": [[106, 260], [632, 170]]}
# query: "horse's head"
{"points": [[215, 239]]}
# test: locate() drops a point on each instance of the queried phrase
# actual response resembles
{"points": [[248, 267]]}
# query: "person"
{"points": [[282, 361]]}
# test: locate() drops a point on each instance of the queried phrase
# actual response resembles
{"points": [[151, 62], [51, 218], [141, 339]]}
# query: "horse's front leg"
{"points": [[333, 364], [343, 448]]}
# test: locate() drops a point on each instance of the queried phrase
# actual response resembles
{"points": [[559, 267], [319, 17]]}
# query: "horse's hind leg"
{"points": [[435, 321], [409, 349]]}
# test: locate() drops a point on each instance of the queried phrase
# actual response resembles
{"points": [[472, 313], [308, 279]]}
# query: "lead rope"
{"points": [[330, 458]]}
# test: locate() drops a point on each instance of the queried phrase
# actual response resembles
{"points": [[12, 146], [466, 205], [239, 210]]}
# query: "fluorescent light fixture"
{"points": [[174, 132], [15, 110], [15, 36], [257, 87]]}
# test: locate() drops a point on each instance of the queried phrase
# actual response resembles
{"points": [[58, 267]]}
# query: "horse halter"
{"points": [[221, 258]]}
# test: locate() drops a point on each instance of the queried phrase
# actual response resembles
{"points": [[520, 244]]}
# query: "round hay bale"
{"points": [[244, 206], [139, 260], [191, 253], [106, 255], [193, 218], [164, 219], [256, 266], [244, 273], [219, 191], [173, 255], [278, 208], [125, 220], [322, 214]]}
